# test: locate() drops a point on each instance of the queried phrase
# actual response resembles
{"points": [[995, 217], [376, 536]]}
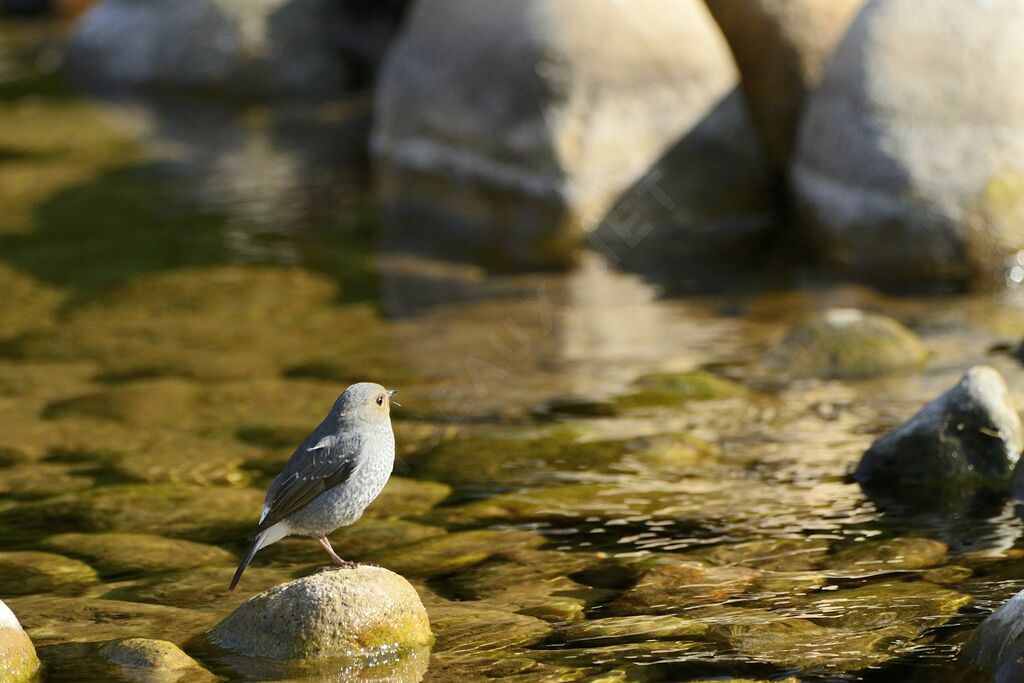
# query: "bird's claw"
{"points": [[332, 567]]}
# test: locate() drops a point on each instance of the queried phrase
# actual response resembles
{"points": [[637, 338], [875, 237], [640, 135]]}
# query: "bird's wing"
{"points": [[319, 464]]}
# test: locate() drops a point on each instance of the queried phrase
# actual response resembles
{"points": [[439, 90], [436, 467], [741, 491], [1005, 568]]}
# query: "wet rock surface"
{"points": [[333, 614], [972, 431], [126, 554], [27, 572], [18, 660], [850, 344], [996, 647]]}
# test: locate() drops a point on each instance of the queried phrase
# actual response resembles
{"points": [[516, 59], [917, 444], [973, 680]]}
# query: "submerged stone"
{"points": [[453, 552], [155, 661], [470, 628], [18, 660], [116, 554], [776, 555], [27, 572], [672, 588], [676, 388], [615, 630], [51, 619], [197, 513], [888, 555], [846, 343], [346, 612], [972, 431], [200, 587]]}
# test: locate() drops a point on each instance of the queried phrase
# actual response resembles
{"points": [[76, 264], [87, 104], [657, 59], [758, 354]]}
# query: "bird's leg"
{"points": [[338, 562]]}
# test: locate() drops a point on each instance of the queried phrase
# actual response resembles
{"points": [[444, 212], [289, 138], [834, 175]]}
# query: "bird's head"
{"points": [[365, 401]]}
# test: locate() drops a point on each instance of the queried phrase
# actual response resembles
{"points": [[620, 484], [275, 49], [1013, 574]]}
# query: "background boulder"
{"points": [[512, 127], [782, 48], [910, 160]]}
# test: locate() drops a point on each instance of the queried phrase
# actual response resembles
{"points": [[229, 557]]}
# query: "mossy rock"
{"points": [[677, 388], [365, 611], [197, 513], [847, 343], [127, 554], [355, 542], [407, 497], [29, 305], [893, 554], [27, 572], [42, 480], [18, 660], [147, 658]]}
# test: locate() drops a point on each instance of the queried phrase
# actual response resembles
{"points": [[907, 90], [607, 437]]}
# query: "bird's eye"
{"points": [[380, 400]]}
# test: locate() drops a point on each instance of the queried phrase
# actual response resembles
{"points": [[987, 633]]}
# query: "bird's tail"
{"points": [[261, 540], [249, 554]]}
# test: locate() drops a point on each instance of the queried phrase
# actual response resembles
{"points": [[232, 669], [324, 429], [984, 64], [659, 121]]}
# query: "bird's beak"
{"points": [[391, 396]]}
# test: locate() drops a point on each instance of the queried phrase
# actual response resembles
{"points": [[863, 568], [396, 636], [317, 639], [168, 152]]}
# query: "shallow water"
{"points": [[187, 286]]}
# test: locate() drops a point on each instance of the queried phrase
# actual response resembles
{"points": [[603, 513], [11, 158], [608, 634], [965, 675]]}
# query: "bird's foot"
{"points": [[331, 567]]}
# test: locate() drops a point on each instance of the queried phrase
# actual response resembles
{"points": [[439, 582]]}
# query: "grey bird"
{"points": [[333, 476]]}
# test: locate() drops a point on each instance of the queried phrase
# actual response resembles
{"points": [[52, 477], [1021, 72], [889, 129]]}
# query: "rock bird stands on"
{"points": [[333, 476]]}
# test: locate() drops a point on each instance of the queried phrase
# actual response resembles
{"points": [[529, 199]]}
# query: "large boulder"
{"points": [[782, 48], [242, 47], [996, 648], [909, 166], [972, 431], [18, 661], [510, 128], [342, 613]]}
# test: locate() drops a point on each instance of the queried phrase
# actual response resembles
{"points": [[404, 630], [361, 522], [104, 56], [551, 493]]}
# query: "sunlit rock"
{"points": [[510, 130], [120, 554], [243, 47], [25, 572], [153, 661], [18, 661], [972, 431], [847, 343], [782, 48], [346, 612], [913, 174]]}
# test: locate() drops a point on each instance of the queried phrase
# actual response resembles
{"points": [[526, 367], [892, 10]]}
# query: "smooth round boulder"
{"points": [[972, 431], [847, 343], [782, 48], [18, 660], [152, 660], [340, 613], [507, 130], [242, 47], [909, 167]]}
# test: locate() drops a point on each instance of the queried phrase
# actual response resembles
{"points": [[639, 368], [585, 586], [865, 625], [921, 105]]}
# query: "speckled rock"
{"points": [[152, 661], [782, 48], [913, 175], [247, 47], [971, 431], [339, 613], [18, 661], [846, 343], [996, 647], [519, 125]]}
